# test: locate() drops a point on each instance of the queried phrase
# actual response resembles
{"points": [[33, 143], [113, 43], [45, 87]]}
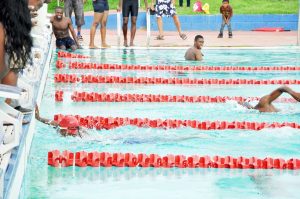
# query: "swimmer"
{"points": [[194, 53], [265, 103], [68, 126]]}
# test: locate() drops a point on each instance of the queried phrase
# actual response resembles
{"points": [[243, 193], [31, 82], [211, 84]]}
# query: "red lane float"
{"points": [[279, 29], [83, 65], [107, 123], [59, 96], [72, 78], [64, 54], [117, 97], [104, 159]]}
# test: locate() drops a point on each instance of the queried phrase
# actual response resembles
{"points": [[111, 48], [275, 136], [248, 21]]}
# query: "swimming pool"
{"points": [[42, 181]]}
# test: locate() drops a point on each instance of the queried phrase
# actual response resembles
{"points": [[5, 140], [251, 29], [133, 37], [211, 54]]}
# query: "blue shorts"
{"points": [[100, 6], [67, 42]]}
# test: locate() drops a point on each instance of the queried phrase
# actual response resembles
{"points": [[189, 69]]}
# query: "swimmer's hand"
{"points": [[37, 112]]}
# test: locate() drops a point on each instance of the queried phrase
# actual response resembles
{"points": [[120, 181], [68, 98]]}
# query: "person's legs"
{"points": [[125, 28], [188, 3], [79, 16], [134, 10], [180, 3], [103, 29], [177, 23], [229, 29], [68, 8], [160, 27], [97, 18], [62, 47], [133, 29], [222, 29]]}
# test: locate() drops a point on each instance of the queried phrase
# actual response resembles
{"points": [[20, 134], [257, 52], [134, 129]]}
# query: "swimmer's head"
{"points": [[59, 13], [246, 105], [69, 125], [198, 41]]}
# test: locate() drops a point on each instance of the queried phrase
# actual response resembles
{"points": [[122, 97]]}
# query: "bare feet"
{"points": [[105, 46], [131, 44], [125, 43], [93, 47]]}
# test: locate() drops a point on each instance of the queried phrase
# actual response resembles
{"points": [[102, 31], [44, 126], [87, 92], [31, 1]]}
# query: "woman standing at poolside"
{"points": [[15, 40], [101, 9]]}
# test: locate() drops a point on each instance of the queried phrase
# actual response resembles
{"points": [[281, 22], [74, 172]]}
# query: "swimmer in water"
{"points": [[194, 53], [68, 126], [265, 103]]}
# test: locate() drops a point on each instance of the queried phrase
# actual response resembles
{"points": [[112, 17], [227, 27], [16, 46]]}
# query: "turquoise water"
{"points": [[42, 181]]}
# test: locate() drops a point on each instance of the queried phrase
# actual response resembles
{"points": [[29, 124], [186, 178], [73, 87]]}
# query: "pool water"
{"points": [[42, 181]]}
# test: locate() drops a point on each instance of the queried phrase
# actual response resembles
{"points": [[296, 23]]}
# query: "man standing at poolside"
{"points": [[130, 7], [194, 53], [61, 26], [77, 6]]}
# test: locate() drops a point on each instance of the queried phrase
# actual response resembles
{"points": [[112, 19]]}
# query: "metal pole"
{"points": [[119, 27], [298, 37], [148, 27]]}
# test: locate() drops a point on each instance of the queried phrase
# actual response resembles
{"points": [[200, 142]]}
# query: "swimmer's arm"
{"points": [[294, 94], [198, 55], [72, 31], [44, 120], [283, 89]]}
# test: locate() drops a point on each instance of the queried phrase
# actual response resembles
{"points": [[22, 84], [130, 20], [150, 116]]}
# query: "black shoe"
{"points": [[23, 110], [230, 35], [220, 35]]}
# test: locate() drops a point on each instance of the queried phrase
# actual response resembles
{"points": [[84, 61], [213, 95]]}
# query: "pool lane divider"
{"points": [[105, 159], [85, 65], [64, 54], [118, 97], [73, 78], [107, 123]]}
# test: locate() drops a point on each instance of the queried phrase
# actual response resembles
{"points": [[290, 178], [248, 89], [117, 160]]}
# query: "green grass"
{"points": [[239, 6]]}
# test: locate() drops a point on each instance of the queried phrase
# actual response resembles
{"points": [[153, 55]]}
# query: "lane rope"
{"points": [[73, 78], [107, 123], [98, 66], [118, 97], [105, 159]]}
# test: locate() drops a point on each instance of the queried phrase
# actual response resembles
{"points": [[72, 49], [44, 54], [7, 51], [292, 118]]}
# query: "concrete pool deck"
{"points": [[172, 39]]}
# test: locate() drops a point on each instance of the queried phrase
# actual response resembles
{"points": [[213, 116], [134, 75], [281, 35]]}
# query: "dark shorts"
{"points": [[165, 8], [77, 6], [100, 6], [67, 42], [130, 7]]}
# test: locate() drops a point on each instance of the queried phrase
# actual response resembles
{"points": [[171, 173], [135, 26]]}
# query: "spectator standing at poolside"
{"points": [[227, 12], [101, 9], [61, 26], [188, 3], [166, 8], [15, 41], [194, 53], [129, 7], [77, 6]]}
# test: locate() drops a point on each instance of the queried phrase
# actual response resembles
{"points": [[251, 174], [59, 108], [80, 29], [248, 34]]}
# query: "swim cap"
{"points": [[70, 123]]}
